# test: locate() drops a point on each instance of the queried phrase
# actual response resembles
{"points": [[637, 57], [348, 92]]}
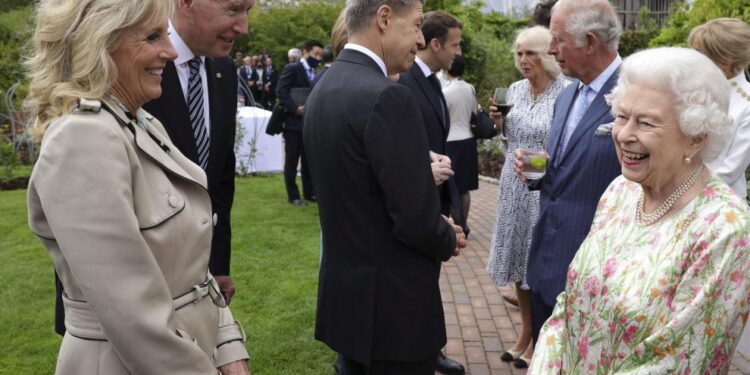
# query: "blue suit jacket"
{"points": [[570, 190]]}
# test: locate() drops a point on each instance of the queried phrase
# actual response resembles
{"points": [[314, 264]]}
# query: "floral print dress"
{"points": [[670, 298]]}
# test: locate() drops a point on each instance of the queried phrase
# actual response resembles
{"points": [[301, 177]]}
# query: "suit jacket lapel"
{"points": [[175, 110], [215, 79], [429, 91], [590, 120], [564, 103]]}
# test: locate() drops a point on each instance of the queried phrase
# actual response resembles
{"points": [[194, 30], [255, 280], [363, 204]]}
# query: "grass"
{"points": [[275, 250]]}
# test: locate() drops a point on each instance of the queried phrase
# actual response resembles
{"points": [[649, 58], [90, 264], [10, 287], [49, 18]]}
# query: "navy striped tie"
{"points": [[195, 105]]}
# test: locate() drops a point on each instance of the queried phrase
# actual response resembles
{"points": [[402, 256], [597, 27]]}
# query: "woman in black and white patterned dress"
{"points": [[526, 126]]}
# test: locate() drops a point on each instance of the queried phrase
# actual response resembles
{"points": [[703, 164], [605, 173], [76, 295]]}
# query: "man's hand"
{"points": [[437, 158], [235, 368], [226, 287], [441, 172], [517, 165], [460, 237], [300, 111]]}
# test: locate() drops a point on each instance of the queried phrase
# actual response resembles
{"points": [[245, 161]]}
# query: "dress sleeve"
{"points": [[710, 303], [550, 347], [731, 167]]}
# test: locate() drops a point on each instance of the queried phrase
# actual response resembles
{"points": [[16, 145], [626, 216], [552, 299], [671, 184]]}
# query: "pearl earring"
{"points": [[688, 159]]}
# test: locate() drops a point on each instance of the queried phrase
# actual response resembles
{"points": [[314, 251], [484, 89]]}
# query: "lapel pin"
{"points": [[218, 75]]}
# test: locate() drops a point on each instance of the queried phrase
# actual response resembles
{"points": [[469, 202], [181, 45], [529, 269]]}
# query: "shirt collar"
{"points": [[423, 67], [369, 53], [304, 63], [184, 53], [597, 84]]}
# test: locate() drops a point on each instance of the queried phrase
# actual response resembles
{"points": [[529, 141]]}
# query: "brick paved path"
{"points": [[479, 324]]}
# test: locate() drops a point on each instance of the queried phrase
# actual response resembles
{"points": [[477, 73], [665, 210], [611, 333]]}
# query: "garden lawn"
{"points": [[275, 252]]}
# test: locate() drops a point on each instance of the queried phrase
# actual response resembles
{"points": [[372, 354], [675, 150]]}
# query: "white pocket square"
{"points": [[604, 129]]}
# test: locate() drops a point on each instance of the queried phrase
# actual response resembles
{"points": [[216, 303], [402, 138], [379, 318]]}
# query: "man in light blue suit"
{"points": [[582, 154]]}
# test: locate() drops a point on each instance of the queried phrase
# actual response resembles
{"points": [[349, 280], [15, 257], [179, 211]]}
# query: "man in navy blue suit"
{"points": [[585, 35], [442, 35], [297, 75]]}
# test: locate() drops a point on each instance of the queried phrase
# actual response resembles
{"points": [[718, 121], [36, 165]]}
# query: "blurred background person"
{"points": [[543, 13], [294, 55], [726, 41], [660, 285], [526, 126], [327, 59], [270, 78], [461, 146], [138, 296]]}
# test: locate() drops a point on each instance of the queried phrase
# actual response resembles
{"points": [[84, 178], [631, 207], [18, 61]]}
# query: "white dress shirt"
{"points": [[184, 54], [731, 163]]}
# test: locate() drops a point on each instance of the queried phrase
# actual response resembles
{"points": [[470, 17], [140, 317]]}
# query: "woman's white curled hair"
{"points": [[700, 90]]}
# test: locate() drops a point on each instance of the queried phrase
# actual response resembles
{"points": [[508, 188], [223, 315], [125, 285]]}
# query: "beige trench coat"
{"points": [[128, 226]]}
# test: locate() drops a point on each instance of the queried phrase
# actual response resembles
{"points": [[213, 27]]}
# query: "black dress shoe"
{"points": [[298, 202], [448, 366]]}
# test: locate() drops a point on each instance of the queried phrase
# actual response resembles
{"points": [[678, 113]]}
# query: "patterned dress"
{"points": [[527, 126], [671, 298]]}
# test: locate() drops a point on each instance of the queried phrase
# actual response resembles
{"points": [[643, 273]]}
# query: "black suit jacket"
{"points": [[383, 237], [436, 123], [292, 76], [172, 111]]}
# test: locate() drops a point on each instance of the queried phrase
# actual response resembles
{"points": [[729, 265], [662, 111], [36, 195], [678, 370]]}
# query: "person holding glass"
{"points": [[661, 283], [526, 126], [726, 41], [125, 216]]}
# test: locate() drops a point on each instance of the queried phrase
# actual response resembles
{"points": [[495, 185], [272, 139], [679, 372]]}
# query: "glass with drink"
{"points": [[500, 101], [534, 163]]}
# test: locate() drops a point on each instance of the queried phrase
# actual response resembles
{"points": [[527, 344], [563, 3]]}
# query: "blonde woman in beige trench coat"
{"points": [[124, 215]]}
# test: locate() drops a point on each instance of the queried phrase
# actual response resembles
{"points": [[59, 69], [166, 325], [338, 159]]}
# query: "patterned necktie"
{"points": [[195, 105], [439, 91], [582, 104]]}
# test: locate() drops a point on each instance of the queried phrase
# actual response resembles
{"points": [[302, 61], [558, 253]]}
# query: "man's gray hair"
{"points": [[360, 12], [295, 52], [594, 16]]}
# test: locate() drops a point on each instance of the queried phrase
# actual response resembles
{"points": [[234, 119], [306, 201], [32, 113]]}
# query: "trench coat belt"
{"points": [[81, 322]]}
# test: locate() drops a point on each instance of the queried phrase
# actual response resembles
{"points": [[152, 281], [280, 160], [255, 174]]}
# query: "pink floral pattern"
{"points": [[671, 298]]}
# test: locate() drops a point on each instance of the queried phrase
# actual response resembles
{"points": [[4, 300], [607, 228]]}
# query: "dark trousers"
{"points": [[540, 312], [349, 366], [294, 150]]}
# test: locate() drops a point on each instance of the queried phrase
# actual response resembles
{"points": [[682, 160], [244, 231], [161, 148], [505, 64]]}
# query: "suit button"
{"points": [[174, 201], [216, 219], [552, 199]]}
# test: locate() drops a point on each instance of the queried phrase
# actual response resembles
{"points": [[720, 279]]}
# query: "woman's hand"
{"points": [[518, 165], [235, 368]]}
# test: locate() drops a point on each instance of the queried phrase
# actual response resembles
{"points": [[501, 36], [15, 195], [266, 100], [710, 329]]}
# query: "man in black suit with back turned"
{"points": [[379, 303], [442, 34], [205, 29], [297, 75]]}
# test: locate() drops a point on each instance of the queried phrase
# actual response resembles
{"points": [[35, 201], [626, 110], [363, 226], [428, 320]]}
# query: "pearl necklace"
{"points": [[647, 219]]}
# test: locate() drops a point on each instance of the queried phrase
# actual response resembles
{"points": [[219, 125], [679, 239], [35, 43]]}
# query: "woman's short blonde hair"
{"points": [[70, 51], [725, 41], [698, 87], [339, 35], [536, 39]]}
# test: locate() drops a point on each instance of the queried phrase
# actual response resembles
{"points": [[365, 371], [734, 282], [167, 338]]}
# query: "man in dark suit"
{"points": [[327, 56], [297, 75], [379, 303], [442, 34], [205, 29], [583, 162], [202, 32], [270, 78]]}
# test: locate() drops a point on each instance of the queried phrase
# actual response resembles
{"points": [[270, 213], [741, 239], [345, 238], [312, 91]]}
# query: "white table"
{"points": [[269, 150]]}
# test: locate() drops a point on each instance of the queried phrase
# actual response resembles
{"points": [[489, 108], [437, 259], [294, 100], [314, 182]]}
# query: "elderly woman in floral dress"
{"points": [[661, 283]]}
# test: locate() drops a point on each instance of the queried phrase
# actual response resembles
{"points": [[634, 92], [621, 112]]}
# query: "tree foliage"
{"points": [[15, 29], [685, 16]]}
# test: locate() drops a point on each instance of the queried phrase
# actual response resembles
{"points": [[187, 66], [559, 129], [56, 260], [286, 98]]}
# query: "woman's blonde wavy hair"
{"points": [[70, 52]]}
